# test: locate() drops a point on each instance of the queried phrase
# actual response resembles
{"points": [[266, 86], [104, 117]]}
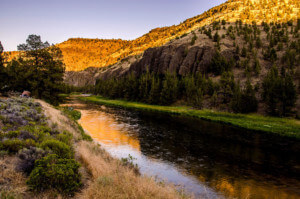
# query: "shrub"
{"points": [[244, 52], [65, 137], [24, 135], [270, 54], [217, 37], [14, 145], [28, 157], [74, 114], [39, 132], [223, 22], [279, 92], [184, 35], [244, 101], [12, 134], [219, 64], [59, 148], [51, 172], [84, 136], [194, 39]]}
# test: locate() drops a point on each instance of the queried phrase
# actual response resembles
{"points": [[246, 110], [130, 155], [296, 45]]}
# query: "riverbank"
{"points": [[98, 174], [280, 126]]}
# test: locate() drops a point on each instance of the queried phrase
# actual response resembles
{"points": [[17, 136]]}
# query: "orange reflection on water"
{"points": [[248, 188], [105, 129]]}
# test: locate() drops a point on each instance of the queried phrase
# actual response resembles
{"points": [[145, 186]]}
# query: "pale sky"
{"points": [[58, 20]]}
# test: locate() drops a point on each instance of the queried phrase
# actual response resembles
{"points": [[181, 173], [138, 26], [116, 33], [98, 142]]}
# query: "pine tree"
{"points": [[39, 69], [258, 42], [244, 52], [3, 80], [214, 99], [227, 85], [249, 102], [144, 86], [218, 64], [131, 87], [169, 89], [271, 84], [217, 37], [288, 95], [256, 67], [154, 95], [236, 99], [279, 92]]}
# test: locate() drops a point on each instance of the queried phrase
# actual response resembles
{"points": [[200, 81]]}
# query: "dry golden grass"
{"points": [[11, 180], [80, 54], [106, 177], [112, 180]]}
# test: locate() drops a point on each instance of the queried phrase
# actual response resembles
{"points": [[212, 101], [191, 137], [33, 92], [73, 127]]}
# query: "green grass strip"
{"points": [[281, 126]]}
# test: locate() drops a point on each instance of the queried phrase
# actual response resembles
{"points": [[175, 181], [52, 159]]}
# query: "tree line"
{"points": [[39, 69], [278, 91]]}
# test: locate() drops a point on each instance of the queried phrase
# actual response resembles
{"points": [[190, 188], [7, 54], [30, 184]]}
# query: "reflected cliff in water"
{"points": [[208, 159]]}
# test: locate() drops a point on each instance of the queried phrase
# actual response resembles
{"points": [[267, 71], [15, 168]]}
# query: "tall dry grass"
{"points": [[112, 180], [11, 180], [105, 177]]}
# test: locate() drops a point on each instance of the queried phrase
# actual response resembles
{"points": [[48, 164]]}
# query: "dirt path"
{"points": [[56, 118]]}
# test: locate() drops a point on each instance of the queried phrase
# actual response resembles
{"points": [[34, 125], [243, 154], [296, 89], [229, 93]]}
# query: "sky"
{"points": [[58, 20]]}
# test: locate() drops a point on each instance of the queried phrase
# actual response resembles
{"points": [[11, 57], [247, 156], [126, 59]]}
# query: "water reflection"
{"points": [[195, 154], [103, 127]]}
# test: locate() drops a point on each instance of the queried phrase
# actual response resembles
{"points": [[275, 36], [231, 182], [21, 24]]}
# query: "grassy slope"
{"points": [[103, 176], [282, 126]]}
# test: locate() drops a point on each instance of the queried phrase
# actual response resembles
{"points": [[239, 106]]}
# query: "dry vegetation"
{"points": [[80, 54], [111, 179], [102, 176]]}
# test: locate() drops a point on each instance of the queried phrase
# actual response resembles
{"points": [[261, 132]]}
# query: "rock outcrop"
{"points": [[181, 59], [177, 56], [82, 78]]}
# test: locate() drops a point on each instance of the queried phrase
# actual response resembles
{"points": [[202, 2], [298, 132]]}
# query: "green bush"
{"points": [[194, 39], [59, 148], [279, 92], [219, 64], [74, 114], [65, 137], [40, 132], [14, 145], [12, 134], [244, 101], [84, 136], [51, 172], [27, 158]]}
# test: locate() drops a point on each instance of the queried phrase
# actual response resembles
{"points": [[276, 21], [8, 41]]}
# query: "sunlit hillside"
{"points": [[80, 54]]}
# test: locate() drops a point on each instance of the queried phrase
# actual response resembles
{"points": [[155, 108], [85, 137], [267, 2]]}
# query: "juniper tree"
{"points": [[217, 37], [154, 95], [279, 92], [169, 90], [3, 75], [41, 67]]}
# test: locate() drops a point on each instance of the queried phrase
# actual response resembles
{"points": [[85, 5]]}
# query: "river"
{"points": [[209, 160]]}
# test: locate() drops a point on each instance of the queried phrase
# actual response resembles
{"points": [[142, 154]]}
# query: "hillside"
{"points": [[80, 54], [213, 64]]}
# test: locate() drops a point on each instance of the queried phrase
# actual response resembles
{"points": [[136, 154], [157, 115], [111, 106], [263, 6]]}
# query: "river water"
{"points": [[206, 159]]}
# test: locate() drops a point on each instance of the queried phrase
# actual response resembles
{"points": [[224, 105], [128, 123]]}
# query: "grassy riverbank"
{"points": [[282, 126], [45, 153]]}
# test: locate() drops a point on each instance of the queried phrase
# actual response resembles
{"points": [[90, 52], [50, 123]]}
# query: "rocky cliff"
{"points": [[80, 53]]}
